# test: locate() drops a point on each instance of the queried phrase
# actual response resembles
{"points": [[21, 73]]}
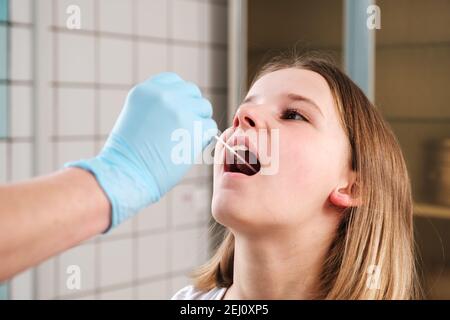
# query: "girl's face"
{"points": [[312, 161]]}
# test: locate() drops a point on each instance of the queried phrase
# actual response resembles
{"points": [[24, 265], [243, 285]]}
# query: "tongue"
{"points": [[251, 167], [245, 169]]}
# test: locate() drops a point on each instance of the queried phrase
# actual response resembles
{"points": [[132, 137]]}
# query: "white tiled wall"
{"points": [[152, 58], [153, 254], [120, 43], [21, 159], [88, 20], [20, 11], [75, 57], [110, 104], [154, 217], [20, 65], [3, 161], [16, 146], [186, 21], [152, 18], [116, 253], [75, 109], [187, 61], [115, 68], [82, 256], [21, 112], [115, 16]]}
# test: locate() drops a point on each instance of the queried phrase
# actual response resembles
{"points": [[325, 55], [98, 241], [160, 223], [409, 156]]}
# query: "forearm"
{"points": [[47, 215]]}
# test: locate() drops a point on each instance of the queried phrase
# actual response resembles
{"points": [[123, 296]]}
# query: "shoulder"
{"points": [[192, 293]]}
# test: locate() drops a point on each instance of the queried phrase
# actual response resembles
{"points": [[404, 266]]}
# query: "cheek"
{"points": [[304, 167]]}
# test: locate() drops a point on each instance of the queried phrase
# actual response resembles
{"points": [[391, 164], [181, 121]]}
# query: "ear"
{"points": [[344, 196]]}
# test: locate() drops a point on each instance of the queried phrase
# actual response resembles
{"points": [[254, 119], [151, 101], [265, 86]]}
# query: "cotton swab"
{"points": [[234, 152]]}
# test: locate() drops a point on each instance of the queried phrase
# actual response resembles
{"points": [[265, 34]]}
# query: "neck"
{"points": [[285, 265]]}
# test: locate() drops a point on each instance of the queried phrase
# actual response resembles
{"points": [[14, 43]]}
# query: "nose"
{"points": [[246, 118]]}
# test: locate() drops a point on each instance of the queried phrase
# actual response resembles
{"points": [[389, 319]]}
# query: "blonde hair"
{"points": [[377, 235]]}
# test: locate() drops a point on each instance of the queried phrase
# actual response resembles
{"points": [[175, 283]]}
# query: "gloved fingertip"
{"points": [[209, 124], [194, 89], [206, 109]]}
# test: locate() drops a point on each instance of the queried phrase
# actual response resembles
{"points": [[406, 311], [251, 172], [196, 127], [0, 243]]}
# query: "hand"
{"points": [[135, 167]]}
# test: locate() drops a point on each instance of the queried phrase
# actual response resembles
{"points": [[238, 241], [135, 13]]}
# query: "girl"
{"points": [[335, 221]]}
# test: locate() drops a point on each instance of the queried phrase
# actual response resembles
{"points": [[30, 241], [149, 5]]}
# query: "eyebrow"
{"points": [[294, 97]]}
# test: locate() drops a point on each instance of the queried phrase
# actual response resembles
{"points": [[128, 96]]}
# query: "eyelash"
{"points": [[292, 111]]}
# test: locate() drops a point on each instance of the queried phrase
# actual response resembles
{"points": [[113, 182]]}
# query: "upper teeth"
{"points": [[240, 147]]}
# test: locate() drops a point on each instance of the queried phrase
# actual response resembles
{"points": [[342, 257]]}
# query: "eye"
{"points": [[293, 114]]}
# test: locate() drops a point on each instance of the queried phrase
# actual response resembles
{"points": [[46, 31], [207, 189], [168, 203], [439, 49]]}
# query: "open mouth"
{"points": [[250, 167]]}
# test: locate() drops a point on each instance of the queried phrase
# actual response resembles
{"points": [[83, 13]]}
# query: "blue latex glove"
{"points": [[135, 167]]}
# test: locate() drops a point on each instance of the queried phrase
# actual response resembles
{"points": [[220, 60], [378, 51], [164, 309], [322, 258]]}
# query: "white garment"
{"points": [[191, 293]]}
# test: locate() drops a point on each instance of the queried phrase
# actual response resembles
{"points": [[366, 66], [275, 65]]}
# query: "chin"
{"points": [[230, 212], [239, 216], [223, 209]]}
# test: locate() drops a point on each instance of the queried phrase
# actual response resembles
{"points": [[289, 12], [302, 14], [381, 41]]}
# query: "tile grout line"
{"points": [[91, 85], [149, 39]]}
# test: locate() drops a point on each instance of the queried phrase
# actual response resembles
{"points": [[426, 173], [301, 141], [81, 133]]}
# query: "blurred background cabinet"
{"points": [[412, 91]]}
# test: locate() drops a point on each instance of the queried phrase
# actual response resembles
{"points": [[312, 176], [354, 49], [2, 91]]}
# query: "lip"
{"points": [[235, 175], [235, 141]]}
